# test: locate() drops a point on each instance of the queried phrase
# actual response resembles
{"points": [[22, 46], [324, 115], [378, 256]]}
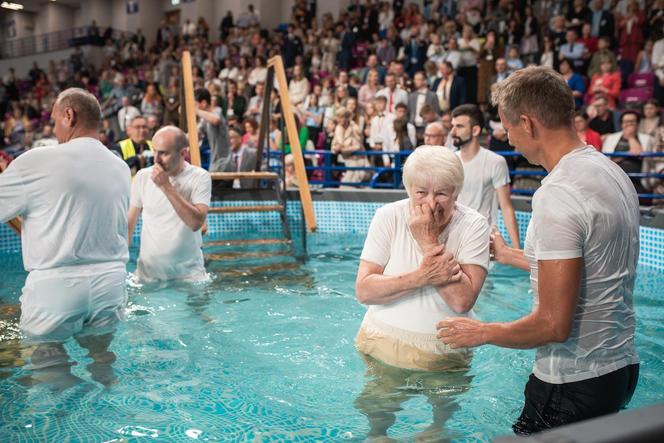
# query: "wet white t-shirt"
{"points": [[587, 207], [73, 198], [169, 248], [390, 244], [485, 173]]}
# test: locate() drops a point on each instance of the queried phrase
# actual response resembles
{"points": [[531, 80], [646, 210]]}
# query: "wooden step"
{"points": [[244, 255], [253, 208], [227, 176], [254, 241]]}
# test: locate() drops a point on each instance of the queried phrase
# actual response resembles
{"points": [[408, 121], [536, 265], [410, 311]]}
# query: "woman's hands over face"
{"points": [[425, 225]]}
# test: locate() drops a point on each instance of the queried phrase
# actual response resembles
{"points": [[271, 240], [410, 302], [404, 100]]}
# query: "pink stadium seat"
{"points": [[645, 80], [633, 98]]}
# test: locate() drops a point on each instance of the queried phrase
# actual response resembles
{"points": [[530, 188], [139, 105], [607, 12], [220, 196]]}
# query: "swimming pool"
{"points": [[268, 356]]}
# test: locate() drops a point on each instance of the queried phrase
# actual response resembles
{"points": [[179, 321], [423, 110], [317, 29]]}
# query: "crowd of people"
{"points": [[371, 79]]}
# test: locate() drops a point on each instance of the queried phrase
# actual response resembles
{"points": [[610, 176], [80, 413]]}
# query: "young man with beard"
{"points": [[486, 176]]}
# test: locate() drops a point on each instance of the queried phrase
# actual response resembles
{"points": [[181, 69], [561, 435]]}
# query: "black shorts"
{"points": [[550, 405]]}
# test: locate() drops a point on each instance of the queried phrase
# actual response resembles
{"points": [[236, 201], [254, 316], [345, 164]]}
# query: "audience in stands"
{"points": [[372, 59]]}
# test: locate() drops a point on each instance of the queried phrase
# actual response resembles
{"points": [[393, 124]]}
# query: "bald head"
{"points": [[171, 137], [434, 134], [169, 145]]}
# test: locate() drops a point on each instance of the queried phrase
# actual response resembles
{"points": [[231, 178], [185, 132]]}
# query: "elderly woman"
{"points": [[425, 258]]}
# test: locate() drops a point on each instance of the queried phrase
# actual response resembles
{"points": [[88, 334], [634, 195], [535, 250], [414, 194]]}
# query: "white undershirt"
{"points": [[169, 248], [73, 198], [587, 207], [390, 244]]}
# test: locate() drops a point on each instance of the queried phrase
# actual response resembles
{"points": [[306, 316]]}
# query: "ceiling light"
{"points": [[14, 6]]}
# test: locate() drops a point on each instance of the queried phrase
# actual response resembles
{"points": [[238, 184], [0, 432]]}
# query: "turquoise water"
{"points": [[267, 355]]}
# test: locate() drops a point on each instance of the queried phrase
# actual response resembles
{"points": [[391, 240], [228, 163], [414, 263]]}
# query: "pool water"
{"points": [[265, 353]]}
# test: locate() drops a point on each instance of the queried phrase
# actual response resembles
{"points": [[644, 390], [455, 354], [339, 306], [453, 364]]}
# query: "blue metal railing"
{"points": [[393, 181]]}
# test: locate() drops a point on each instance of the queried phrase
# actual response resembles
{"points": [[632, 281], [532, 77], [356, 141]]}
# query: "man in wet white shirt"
{"points": [[173, 197], [73, 200], [582, 247], [486, 176]]}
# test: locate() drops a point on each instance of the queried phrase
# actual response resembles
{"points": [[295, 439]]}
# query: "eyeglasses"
{"points": [[433, 135]]}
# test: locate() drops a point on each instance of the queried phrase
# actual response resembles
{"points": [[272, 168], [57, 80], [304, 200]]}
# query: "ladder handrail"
{"points": [[276, 63]]}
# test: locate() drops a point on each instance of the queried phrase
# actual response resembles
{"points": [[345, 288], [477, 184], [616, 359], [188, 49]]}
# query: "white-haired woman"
{"points": [[425, 258]]}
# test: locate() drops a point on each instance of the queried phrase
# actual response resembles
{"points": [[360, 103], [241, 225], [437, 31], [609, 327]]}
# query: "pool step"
{"points": [[245, 255], [254, 241], [256, 208]]}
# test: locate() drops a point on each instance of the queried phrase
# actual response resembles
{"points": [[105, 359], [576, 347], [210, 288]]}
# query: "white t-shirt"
{"points": [[73, 198], [390, 244], [169, 248], [587, 207], [485, 173]]}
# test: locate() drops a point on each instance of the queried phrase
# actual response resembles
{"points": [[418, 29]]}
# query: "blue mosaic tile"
{"points": [[339, 217]]}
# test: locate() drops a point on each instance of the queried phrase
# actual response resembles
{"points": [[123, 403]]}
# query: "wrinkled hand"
{"points": [[424, 224], [159, 176], [497, 245], [461, 332], [439, 267]]}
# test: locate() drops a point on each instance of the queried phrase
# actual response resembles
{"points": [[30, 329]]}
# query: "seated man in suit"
{"points": [[243, 159]]}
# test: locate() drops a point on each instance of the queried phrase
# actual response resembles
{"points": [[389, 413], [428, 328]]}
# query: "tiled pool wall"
{"points": [[345, 217]]}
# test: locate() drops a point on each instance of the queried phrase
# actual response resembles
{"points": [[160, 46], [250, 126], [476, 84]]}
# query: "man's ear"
{"points": [[70, 117], [527, 124]]}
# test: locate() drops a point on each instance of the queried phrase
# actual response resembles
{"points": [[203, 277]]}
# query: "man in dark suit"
{"points": [[419, 98], [415, 52], [449, 88], [243, 159], [602, 22]]}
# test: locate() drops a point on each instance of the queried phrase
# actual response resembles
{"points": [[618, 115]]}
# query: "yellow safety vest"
{"points": [[128, 150]]}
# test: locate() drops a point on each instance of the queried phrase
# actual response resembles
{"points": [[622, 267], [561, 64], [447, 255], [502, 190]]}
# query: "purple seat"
{"points": [[634, 98], [645, 80]]}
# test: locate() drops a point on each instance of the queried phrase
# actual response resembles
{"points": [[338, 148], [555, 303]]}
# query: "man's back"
{"points": [[587, 207], [74, 198]]}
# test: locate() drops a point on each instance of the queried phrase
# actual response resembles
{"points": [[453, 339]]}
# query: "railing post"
{"points": [[397, 170], [327, 162]]}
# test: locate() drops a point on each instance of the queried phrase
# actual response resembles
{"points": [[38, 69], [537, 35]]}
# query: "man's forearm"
{"points": [[188, 213], [528, 332], [513, 257], [208, 116]]}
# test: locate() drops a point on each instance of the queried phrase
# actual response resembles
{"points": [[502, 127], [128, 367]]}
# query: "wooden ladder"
{"points": [[280, 207]]}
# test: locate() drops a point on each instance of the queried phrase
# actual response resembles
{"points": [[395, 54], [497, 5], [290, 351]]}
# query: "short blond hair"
{"points": [[536, 91], [434, 164], [85, 106]]}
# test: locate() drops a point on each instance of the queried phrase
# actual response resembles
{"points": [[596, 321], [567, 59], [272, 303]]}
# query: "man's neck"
{"points": [[558, 143], [179, 169], [82, 132], [470, 150]]}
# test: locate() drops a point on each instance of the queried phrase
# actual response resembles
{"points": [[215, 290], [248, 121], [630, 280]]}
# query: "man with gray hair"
{"points": [[174, 197], [73, 198], [582, 247]]}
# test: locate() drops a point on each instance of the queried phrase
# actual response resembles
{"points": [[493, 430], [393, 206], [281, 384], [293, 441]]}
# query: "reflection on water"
{"points": [[387, 388]]}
